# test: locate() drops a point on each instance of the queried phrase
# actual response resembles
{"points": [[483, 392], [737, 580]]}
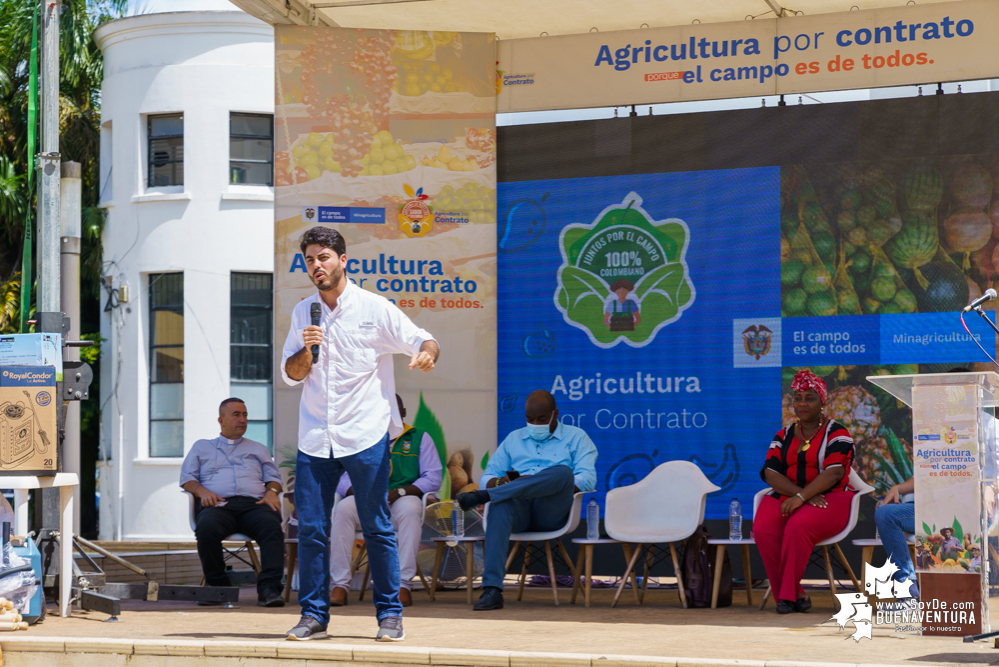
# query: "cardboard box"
{"points": [[28, 435], [37, 349]]}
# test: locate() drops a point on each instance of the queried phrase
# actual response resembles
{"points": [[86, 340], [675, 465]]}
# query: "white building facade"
{"points": [[186, 178]]}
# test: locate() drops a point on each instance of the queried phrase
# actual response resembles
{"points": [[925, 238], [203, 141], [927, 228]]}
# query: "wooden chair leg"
{"points": [[509, 559], [626, 548], [437, 570], [423, 580], [361, 553], [292, 557], [254, 560], [679, 575], [832, 579], [747, 573], [576, 582], [551, 570], [568, 561], [766, 596], [649, 555], [364, 582], [589, 573], [716, 581], [523, 571], [469, 568], [627, 573], [849, 570]]}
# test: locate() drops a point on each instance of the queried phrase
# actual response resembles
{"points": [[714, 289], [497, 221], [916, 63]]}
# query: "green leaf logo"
{"points": [[624, 276]]}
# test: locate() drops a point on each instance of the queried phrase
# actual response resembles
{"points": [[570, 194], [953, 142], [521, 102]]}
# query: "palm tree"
{"points": [[81, 68], [81, 71]]}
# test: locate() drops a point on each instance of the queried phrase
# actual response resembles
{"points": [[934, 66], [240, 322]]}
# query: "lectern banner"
{"points": [[947, 430]]}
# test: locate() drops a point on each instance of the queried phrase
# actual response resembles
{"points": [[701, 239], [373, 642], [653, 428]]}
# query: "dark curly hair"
{"points": [[326, 237]]}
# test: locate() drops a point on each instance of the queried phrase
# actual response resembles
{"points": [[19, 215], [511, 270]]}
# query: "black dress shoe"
{"points": [[270, 599], [803, 605], [785, 607], [491, 598], [473, 499]]}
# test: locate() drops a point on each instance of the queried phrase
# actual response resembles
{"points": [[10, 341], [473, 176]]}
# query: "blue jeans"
{"points": [[538, 503], [315, 486], [893, 520]]}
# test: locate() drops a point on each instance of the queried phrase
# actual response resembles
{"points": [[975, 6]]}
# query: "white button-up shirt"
{"points": [[348, 401]]}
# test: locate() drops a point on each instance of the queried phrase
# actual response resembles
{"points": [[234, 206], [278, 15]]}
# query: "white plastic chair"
{"points": [[863, 488], [665, 507], [254, 563], [363, 551], [530, 537]]}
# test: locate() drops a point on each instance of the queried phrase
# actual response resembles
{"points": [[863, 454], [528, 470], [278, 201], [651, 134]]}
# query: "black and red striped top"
{"points": [[831, 446]]}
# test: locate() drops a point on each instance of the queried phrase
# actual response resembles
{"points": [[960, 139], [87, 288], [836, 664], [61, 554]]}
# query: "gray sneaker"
{"points": [[390, 629], [307, 628]]}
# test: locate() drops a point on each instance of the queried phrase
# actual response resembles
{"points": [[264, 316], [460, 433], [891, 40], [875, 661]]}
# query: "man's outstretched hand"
{"points": [[426, 358]]}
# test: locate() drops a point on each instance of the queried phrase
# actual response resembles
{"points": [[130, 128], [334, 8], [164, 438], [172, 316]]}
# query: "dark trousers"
{"points": [[243, 515], [536, 503], [315, 484]]}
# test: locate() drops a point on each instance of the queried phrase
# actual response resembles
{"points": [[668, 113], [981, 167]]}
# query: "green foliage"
{"points": [[92, 354], [426, 421]]}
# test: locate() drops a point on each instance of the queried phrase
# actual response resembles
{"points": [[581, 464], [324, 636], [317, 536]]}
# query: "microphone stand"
{"points": [[969, 639], [981, 313]]}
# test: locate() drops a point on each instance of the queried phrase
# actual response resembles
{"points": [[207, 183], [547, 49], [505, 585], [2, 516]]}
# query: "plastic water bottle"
{"points": [[592, 520], [458, 521], [735, 520]]}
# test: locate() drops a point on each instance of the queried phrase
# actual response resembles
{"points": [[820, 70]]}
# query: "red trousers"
{"points": [[786, 542]]}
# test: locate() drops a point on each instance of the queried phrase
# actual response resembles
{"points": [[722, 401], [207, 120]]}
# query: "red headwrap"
{"points": [[806, 379]]}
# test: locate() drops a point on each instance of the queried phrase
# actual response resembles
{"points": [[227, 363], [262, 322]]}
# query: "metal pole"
{"points": [[47, 295], [71, 222], [48, 162]]}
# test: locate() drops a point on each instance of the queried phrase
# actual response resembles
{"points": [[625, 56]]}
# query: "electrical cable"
{"points": [[964, 324]]}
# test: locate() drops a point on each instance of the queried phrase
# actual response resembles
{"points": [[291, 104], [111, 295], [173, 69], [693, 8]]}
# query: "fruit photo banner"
{"points": [[894, 46], [667, 291], [390, 137]]}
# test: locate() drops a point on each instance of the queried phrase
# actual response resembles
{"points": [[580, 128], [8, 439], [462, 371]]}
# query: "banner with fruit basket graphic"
{"points": [[390, 137]]}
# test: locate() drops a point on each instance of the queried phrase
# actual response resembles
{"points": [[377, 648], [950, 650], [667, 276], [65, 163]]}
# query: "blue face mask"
{"points": [[540, 432]]}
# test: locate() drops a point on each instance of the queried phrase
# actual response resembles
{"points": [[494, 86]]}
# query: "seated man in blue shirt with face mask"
{"points": [[530, 481]]}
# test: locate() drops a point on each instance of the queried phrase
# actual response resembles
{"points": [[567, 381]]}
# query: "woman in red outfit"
{"points": [[808, 468]]}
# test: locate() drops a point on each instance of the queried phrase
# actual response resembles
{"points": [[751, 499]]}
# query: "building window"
{"points": [[166, 350], [251, 149], [251, 350], [166, 150]]}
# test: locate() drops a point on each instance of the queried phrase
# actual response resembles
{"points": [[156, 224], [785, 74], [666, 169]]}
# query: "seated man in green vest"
{"points": [[416, 470]]}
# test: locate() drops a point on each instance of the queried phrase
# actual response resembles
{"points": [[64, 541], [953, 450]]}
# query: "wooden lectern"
{"points": [[954, 465]]}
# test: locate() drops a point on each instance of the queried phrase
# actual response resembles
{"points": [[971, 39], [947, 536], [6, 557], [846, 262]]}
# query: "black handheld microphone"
{"points": [[988, 296], [316, 312]]}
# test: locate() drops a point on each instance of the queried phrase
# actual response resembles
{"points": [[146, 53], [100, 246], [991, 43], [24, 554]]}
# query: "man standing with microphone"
{"points": [[340, 345]]}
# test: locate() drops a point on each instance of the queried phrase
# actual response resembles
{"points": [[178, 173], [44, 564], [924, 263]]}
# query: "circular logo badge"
{"points": [[43, 398]]}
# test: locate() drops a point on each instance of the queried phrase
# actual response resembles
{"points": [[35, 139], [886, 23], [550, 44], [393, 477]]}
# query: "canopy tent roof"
{"points": [[513, 19]]}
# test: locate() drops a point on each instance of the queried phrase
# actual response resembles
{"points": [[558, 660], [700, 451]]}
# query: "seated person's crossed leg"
{"points": [[530, 482]]}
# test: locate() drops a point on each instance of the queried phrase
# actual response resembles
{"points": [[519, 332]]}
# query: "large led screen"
{"points": [[664, 277]]}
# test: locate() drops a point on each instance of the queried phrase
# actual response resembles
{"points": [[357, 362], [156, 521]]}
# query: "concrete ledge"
{"points": [[537, 659], [289, 650], [631, 661], [469, 657], [176, 647], [151, 653], [98, 645], [392, 654]]}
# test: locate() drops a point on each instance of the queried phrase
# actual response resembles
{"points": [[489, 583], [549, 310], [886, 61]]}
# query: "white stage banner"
{"points": [[908, 45]]}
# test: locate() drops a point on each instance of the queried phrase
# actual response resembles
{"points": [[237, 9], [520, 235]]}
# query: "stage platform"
{"points": [[532, 633]]}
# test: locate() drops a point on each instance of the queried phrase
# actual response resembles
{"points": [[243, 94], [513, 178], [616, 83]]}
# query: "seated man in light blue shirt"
{"points": [[529, 483], [239, 488]]}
